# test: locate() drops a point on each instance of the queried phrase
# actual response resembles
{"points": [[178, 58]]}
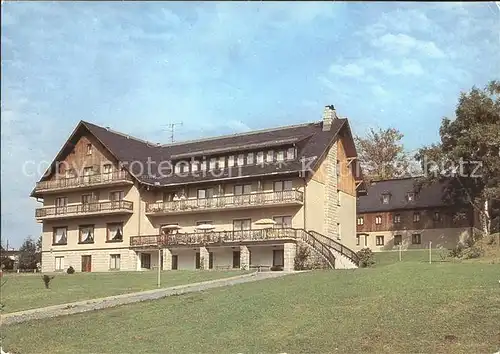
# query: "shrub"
{"points": [[70, 270], [276, 268], [301, 257], [365, 257], [46, 280], [491, 240], [472, 252], [457, 251]]}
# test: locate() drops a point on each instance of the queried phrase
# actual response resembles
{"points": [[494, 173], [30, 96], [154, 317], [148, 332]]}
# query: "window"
{"points": [[115, 232], [280, 186], [86, 234], [114, 262], [379, 240], [397, 218], [378, 220], [242, 224], [339, 231], [60, 235], [270, 156], [241, 160], [357, 240], [338, 168], [209, 222], [59, 263], [87, 171], [205, 193], [410, 196], [280, 156], [107, 171], [203, 165], [260, 157], [290, 153], [116, 196], [89, 149], [86, 199], [398, 240], [61, 202], [177, 168], [282, 221], [437, 216], [242, 189], [386, 198], [416, 216], [361, 220], [194, 166], [213, 162], [230, 161], [222, 163], [250, 158], [68, 174], [416, 239], [168, 196]]}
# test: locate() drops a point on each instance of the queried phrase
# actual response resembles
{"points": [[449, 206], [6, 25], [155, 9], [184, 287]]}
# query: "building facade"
{"points": [[401, 212], [114, 202]]}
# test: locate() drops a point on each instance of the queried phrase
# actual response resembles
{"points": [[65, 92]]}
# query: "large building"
{"points": [[405, 212], [114, 202]]}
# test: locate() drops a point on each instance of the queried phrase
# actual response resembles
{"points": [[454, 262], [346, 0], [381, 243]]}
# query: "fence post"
{"points": [[400, 247], [430, 252]]}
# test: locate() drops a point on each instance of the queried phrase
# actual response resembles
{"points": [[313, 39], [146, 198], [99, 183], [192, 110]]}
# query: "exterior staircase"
{"points": [[345, 258]]}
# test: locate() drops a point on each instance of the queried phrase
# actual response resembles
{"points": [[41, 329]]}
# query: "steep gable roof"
{"points": [[426, 196], [309, 139]]}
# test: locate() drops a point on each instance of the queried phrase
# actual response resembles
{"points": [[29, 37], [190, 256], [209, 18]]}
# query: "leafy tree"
{"points": [[468, 156], [382, 155], [28, 254]]}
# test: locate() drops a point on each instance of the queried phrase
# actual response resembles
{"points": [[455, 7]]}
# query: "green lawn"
{"points": [[27, 291], [403, 307]]}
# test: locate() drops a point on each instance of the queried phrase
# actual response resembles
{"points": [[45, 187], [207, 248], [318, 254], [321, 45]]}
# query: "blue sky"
{"points": [[227, 67]]}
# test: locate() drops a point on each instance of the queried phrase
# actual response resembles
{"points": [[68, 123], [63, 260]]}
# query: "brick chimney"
{"points": [[329, 115]]}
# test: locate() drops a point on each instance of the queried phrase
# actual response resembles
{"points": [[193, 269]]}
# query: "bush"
{"points": [[276, 268], [301, 257], [365, 257], [457, 251], [472, 252], [46, 280], [70, 270]]}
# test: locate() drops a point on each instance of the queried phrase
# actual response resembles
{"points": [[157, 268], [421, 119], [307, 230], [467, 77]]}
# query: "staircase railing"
{"points": [[343, 250], [318, 246]]}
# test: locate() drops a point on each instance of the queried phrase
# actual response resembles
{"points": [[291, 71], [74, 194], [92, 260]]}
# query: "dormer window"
{"points": [[230, 161], [241, 160], [213, 162], [194, 166], [89, 149], [203, 165], [280, 156], [290, 153], [260, 157], [177, 168], [378, 220], [410, 196], [270, 156], [386, 197], [250, 158], [222, 162]]}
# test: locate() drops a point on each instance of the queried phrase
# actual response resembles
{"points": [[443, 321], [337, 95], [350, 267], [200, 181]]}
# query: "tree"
{"points": [[468, 155], [382, 155], [28, 254]]}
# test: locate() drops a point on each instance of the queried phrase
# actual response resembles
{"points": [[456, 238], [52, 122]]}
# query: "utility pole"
{"points": [[171, 128]]}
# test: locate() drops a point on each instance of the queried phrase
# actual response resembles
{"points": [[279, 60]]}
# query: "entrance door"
{"points": [[174, 261], [236, 259], [278, 256], [210, 260], [146, 260], [86, 263]]}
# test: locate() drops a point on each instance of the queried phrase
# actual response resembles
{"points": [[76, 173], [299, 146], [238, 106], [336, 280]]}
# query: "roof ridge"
{"points": [[128, 136], [240, 134]]}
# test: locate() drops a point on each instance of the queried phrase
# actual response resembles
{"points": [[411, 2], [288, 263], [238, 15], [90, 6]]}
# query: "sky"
{"points": [[221, 68]]}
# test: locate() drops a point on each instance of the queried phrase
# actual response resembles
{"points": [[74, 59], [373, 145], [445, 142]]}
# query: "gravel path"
{"points": [[112, 301]]}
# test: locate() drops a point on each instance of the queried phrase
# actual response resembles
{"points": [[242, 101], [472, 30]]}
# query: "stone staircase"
{"points": [[345, 258]]}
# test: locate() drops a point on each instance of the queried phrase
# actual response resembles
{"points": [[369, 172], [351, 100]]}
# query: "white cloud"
{"points": [[379, 91], [404, 44], [350, 70]]}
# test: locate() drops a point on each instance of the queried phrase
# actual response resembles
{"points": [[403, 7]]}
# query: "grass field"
{"points": [[27, 291], [395, 307]]}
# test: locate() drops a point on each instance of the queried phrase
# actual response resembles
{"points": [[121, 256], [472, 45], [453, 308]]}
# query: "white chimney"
{"points": [[329, 115]]}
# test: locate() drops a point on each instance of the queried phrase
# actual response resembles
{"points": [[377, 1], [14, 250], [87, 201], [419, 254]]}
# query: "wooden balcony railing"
{"points": [[213, 237], [227, 202], [83, 209], [81, 181]]}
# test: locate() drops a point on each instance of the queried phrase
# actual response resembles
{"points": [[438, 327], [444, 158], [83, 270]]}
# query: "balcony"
{"points": [[245, 201], [81, 210], [215, 238], [114, 178]]}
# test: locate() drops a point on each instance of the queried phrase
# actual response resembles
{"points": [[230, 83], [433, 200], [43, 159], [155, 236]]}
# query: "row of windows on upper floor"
{"points": [[397, 218], [222, 162]]}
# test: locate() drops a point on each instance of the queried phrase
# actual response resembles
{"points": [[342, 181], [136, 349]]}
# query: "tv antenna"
{"points": [[171, 127]]}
